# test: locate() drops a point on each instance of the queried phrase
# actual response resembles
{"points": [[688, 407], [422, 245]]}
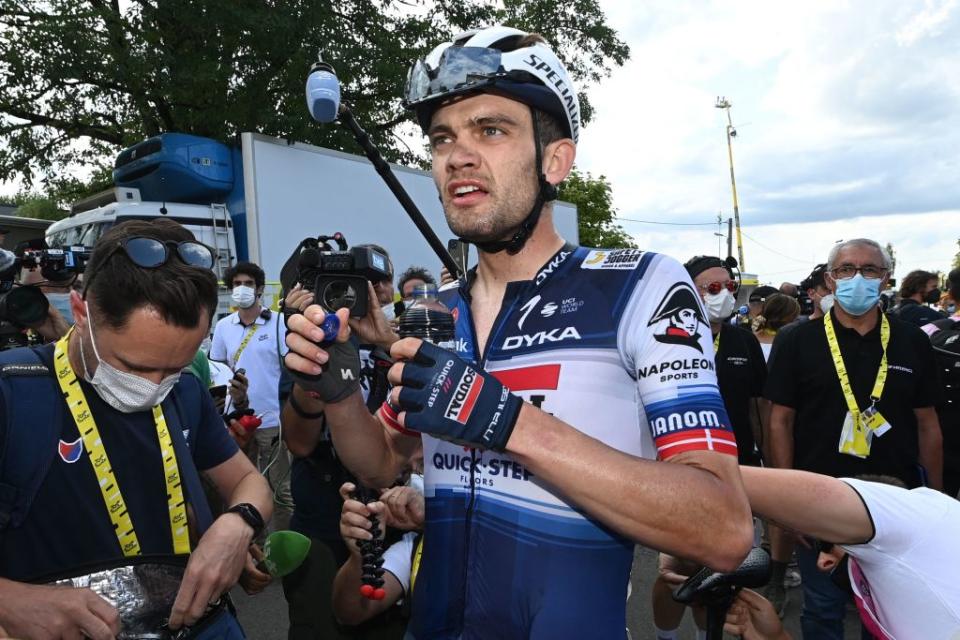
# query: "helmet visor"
{"points": [[460, 69]]}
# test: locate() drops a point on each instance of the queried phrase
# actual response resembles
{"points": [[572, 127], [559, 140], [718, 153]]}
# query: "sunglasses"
{"points": [[714, 288], [150, 253]]}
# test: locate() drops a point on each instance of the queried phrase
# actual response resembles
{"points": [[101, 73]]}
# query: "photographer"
{"points": [[133, 425]]}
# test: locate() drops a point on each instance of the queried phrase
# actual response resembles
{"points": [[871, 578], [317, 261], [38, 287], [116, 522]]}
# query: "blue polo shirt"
{"points": [[68, 528]]}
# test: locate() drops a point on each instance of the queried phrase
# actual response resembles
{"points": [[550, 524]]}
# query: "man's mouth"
{"points": [[466, 192]]}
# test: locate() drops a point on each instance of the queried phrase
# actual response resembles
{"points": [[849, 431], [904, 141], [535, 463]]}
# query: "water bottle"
{"points": [[428, 318]]}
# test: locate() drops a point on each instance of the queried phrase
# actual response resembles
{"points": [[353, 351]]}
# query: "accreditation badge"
{"points": [[874, 421], [854, 438]]}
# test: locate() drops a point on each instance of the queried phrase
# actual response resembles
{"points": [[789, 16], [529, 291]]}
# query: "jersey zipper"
{"points": [[505, 310]]}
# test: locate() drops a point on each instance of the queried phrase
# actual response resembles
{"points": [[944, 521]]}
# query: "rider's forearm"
{"points": [[366, 447], [686, 509]]}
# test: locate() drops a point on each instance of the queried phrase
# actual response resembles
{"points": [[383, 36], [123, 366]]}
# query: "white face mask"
{"points": [[719, 305], [125, 392], [243, 296], [826, 302]]}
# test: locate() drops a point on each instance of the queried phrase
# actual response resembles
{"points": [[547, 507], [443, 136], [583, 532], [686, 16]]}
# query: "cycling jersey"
{"points": [[616, 344]]}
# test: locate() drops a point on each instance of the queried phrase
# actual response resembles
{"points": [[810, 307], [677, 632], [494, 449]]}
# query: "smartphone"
{"points": [[460, 252], [219, 392]]}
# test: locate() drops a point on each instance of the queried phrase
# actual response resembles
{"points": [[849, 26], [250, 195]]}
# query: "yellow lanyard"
{"points": [[881, 380], [112, 498], [415, 564], [246, 341], [716, 343]]}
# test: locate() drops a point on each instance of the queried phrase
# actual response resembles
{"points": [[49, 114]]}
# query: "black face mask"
{"points": [[932, 297], [840, 575]]}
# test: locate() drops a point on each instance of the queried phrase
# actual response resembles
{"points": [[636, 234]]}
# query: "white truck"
{"points": [[258, 200]]}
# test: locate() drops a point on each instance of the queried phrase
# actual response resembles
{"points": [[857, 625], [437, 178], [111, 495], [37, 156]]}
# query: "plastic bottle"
{"points": [[428, 318]]}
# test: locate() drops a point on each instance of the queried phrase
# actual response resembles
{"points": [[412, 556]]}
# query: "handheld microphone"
{"points": [[284, 552], [323, 92]]}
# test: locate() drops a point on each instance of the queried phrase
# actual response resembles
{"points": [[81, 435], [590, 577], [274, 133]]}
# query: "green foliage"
{"points": [[595, 210], [956, 258], [893, 257], [33, 205], [83, 79]]}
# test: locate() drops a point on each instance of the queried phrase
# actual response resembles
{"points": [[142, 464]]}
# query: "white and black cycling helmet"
{"points": [[491, 60]]}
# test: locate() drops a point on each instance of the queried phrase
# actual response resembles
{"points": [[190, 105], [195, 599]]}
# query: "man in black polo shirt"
{"points": [[812, 420], [919, 287]]}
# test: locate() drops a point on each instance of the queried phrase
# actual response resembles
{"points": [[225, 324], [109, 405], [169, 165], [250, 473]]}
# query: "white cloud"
{"points": [[848, 118]]}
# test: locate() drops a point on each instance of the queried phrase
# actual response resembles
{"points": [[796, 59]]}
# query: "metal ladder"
{"points": [[222, 229]]}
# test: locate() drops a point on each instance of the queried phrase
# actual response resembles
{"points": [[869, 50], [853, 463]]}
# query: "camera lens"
{"points": [[24, 306], [338, 294]]}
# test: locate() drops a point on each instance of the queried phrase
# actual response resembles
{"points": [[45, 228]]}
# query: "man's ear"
{"points": [[558, 158], [79, 308], [826, 561]]}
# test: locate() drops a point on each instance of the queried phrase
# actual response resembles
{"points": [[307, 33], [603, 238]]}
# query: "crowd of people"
{"points": [[590, 400]]}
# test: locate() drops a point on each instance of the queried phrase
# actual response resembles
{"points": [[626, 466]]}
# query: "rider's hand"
{"points": [[213, 568], [752, 617], [438, 393], [52, 613], [355, 518]]}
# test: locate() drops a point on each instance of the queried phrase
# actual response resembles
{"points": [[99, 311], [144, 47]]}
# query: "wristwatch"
{"points": [[250, 515]]}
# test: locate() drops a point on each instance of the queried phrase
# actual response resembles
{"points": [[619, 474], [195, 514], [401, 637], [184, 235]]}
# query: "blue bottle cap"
{"points": [[330, 327]]}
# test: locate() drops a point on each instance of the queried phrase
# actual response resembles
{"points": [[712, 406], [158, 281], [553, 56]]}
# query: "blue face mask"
{"points": [[857, 295]]}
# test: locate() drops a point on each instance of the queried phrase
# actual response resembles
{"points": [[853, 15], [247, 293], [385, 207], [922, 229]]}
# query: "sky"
{"points": [[847, 117]]}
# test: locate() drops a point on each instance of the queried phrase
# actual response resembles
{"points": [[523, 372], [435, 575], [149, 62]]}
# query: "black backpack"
{"points": [[946, 347]]}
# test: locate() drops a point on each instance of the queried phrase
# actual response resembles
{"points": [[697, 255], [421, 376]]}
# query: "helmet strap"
{"points": [[546, 192]]}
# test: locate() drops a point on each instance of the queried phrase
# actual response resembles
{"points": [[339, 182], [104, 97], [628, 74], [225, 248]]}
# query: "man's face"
{"points": [[147, 346], [484, 165], [713, 274], [931, 285], [817, 293], [857, 256], [384, 290], [243, 280], [409, 286]]}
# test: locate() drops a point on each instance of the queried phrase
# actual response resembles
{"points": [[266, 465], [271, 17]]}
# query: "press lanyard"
{"points": [[415, 562], [112, 498], [245, 342], [842, 369], [716, 343]]}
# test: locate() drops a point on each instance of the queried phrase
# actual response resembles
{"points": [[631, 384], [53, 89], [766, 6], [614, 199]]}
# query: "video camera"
{"points": [[26, 305], [337, 277]]}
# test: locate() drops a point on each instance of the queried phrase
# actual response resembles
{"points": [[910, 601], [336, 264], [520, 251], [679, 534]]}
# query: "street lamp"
{"points": [[723, 103]]}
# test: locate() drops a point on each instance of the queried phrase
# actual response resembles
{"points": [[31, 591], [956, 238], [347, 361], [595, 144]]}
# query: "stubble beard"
{"points": [[508, 206]]}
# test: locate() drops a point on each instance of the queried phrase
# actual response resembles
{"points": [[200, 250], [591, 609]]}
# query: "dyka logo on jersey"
{"points": [[541, 338], [679, 318], [70, 451], [557, 260]]}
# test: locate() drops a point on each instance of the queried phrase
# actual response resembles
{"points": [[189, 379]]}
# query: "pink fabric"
{"points": [[865, 603]]}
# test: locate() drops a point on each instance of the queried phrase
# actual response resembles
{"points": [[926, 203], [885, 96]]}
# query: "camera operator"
{"points": [[113, 474]]}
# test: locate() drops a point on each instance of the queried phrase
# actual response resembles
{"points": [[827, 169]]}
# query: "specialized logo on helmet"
{"points": [[679, 318], [566, 92]]}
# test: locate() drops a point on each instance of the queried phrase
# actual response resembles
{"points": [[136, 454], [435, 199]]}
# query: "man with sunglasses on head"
{"points": [[104, 441], [539, 431], [853, 393], [251, 338]]}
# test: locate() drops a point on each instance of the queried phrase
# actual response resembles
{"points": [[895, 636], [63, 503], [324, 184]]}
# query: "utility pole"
{"points": [[730, 236], [723, 103], [719, 233]]}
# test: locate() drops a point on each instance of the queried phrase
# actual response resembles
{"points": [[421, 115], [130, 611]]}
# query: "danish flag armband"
{"points": [[390, 416]]}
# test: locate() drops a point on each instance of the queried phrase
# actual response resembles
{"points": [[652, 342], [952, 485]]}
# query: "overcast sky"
{"points": [[847, 122]]}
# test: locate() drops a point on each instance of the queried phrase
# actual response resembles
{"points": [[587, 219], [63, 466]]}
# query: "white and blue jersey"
{"points": [[614, 343]]}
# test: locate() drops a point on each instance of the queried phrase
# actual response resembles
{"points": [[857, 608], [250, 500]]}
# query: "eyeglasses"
{"points": [[713, 288], [150, 253], [870, 271]]}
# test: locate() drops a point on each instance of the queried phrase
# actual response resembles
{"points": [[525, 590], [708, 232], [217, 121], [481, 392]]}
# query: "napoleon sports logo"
{"points": [[464, 397], [679, 318]]}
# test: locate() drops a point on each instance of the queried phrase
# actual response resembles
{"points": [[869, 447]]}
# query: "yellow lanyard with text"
{"points": [[112, 498], [246, 341], [859, 445], [716, 343]]}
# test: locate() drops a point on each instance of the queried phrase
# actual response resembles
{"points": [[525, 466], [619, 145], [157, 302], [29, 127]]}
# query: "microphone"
{"points": [[323, 93], [284, 552]]}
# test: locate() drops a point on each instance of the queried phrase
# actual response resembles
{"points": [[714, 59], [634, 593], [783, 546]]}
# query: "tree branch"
{"points": [[98, 132]]}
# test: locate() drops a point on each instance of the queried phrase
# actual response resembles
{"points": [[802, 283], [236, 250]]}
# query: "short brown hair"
{"points": [[915, 282], [117, 286]]}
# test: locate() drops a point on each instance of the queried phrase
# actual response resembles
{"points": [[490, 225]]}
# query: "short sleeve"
{"points": [[218, 347], [929, 391], [664, 326], [213, 444], [895, 513], [781, 386], [398, 559]]}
